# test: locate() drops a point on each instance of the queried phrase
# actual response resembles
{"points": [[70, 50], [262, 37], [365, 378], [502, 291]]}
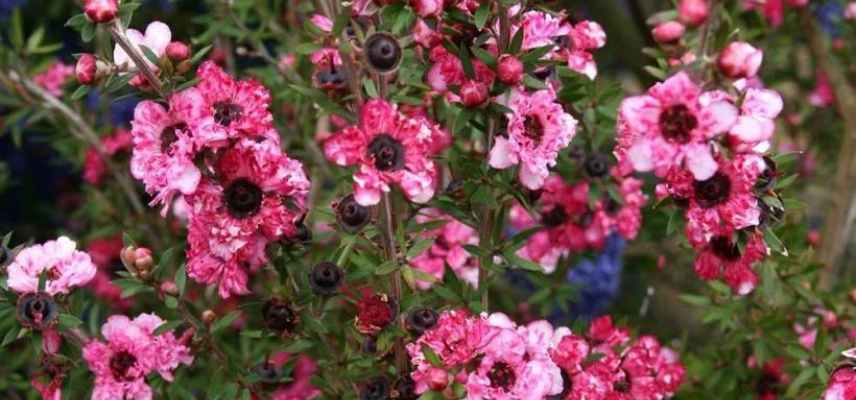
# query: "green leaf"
{"points": [[419, 247], [298, 346], [181, 279], [128, 240], [168, 326], [386, 268], [150, 55], [171, 302], [80, 92], [695, 300], [369, 86], [431, 356], [482, 14], [516, 42], [10, 336], [200, 54], [68, 321], [225, 321], [16, 30]]}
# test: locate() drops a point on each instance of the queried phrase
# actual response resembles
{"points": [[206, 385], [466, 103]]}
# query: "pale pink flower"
{"points": [[156, 38], [64, 267], [740, 60], [538, 128], [850, 11]]}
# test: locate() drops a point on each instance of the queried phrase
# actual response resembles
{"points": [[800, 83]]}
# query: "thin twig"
{"points": [[132, 51]]}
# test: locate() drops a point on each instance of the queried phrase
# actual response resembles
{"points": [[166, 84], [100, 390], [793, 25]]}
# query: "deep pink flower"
{"points": [[94, 167], [670, 128], [653, 372], [841, 385], [165, 143], [456, 339], [722, 258], [585, 37], [86, 69], [447, 249], [538, 128], [822, 95], [64, 267], [54, 78], [300, 387], [130, 353], [389, 148], [447, 71], [239, 109], [259, 197], [509, 70]]}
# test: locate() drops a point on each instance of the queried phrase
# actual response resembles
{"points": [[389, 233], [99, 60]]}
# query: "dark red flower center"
{"points": [[724, 248], [225, 112], [713, 191], [555, 217], [677, 122], [243, 198], [533, 128], [169, 136], [502, 376], [388, 153], [120, 363]]}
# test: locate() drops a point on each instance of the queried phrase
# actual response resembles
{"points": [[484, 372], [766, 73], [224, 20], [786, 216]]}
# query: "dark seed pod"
{"points": [[375, 389], [383, 53], [597, 165], [326, 278], [421, 320], [37, 311], [350, 215], [279, 316]]}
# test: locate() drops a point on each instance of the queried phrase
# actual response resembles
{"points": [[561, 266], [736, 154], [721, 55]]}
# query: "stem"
{"points": [[388, 234], [84, 132], [139, 60], [486, 231], [838, 222]]}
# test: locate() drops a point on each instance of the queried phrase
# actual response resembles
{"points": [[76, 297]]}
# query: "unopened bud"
{"points": [[208, 317], [177, 51], [101, 11], [169, 287]]}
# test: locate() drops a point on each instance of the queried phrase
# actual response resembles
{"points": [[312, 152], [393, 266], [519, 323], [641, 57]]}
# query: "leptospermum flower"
{"points": [[165, 143], [538, 128], [578, 45], [259, 196], [842, 384], [755, 125], [130, 352], [388, 147], [53, 78], [156, 38], [722, 258], [64, 267], [670, 128], [447, 249]]}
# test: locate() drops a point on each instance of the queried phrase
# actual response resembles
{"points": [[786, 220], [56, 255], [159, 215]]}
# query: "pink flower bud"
{"points": [[473, 93], [169, 287], [693, 12], [51, 341], [101, 11], [740, 60], [177, 51], [438, 379], [86, 69], [668, 32], [509, 70], [143, 259]]}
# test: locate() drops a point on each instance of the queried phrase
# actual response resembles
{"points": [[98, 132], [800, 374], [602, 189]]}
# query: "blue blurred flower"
{"points": [[829, 17], [121, 110], [6, 7], [598, 280]]}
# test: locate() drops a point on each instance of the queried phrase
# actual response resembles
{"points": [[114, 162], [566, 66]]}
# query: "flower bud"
{"points": [[278, 316], [473, 93], [208, 317], [325, 278], [668, 32], [101, 11], [421, 320], [740, 60], [169, 287], [177, 51], [596, 165], [438, 379], [86, 69], [51, 341], [693, 12], [37, 311], [509, 70], [382, 51], [350, 215], [375, 389]]}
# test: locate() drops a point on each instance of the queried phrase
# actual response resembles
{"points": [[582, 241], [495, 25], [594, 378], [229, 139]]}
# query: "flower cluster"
{"points": [[708, 149], [572, 223], [131, 351], [251, 193], [495, 358], [63, 266]]}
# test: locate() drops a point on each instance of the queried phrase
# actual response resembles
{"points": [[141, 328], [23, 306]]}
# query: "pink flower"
{"points": [[101, 11], [64, 267], [539, 29], [156, 39], [722, 258], [447, 249], [130, 353], [94, 167], [456, 339], [841, 385], [166, 141], [259, 197], [577, 45], [447, 71], [693, 12], [321, 22], [850, 11], [238, 109], [538, 128], [723, 203], [822, 95], [755, 126], [740, 60], [668, 32], [54, 78], [670, 128], [389, 147], [300, 387], [428, 8]]}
